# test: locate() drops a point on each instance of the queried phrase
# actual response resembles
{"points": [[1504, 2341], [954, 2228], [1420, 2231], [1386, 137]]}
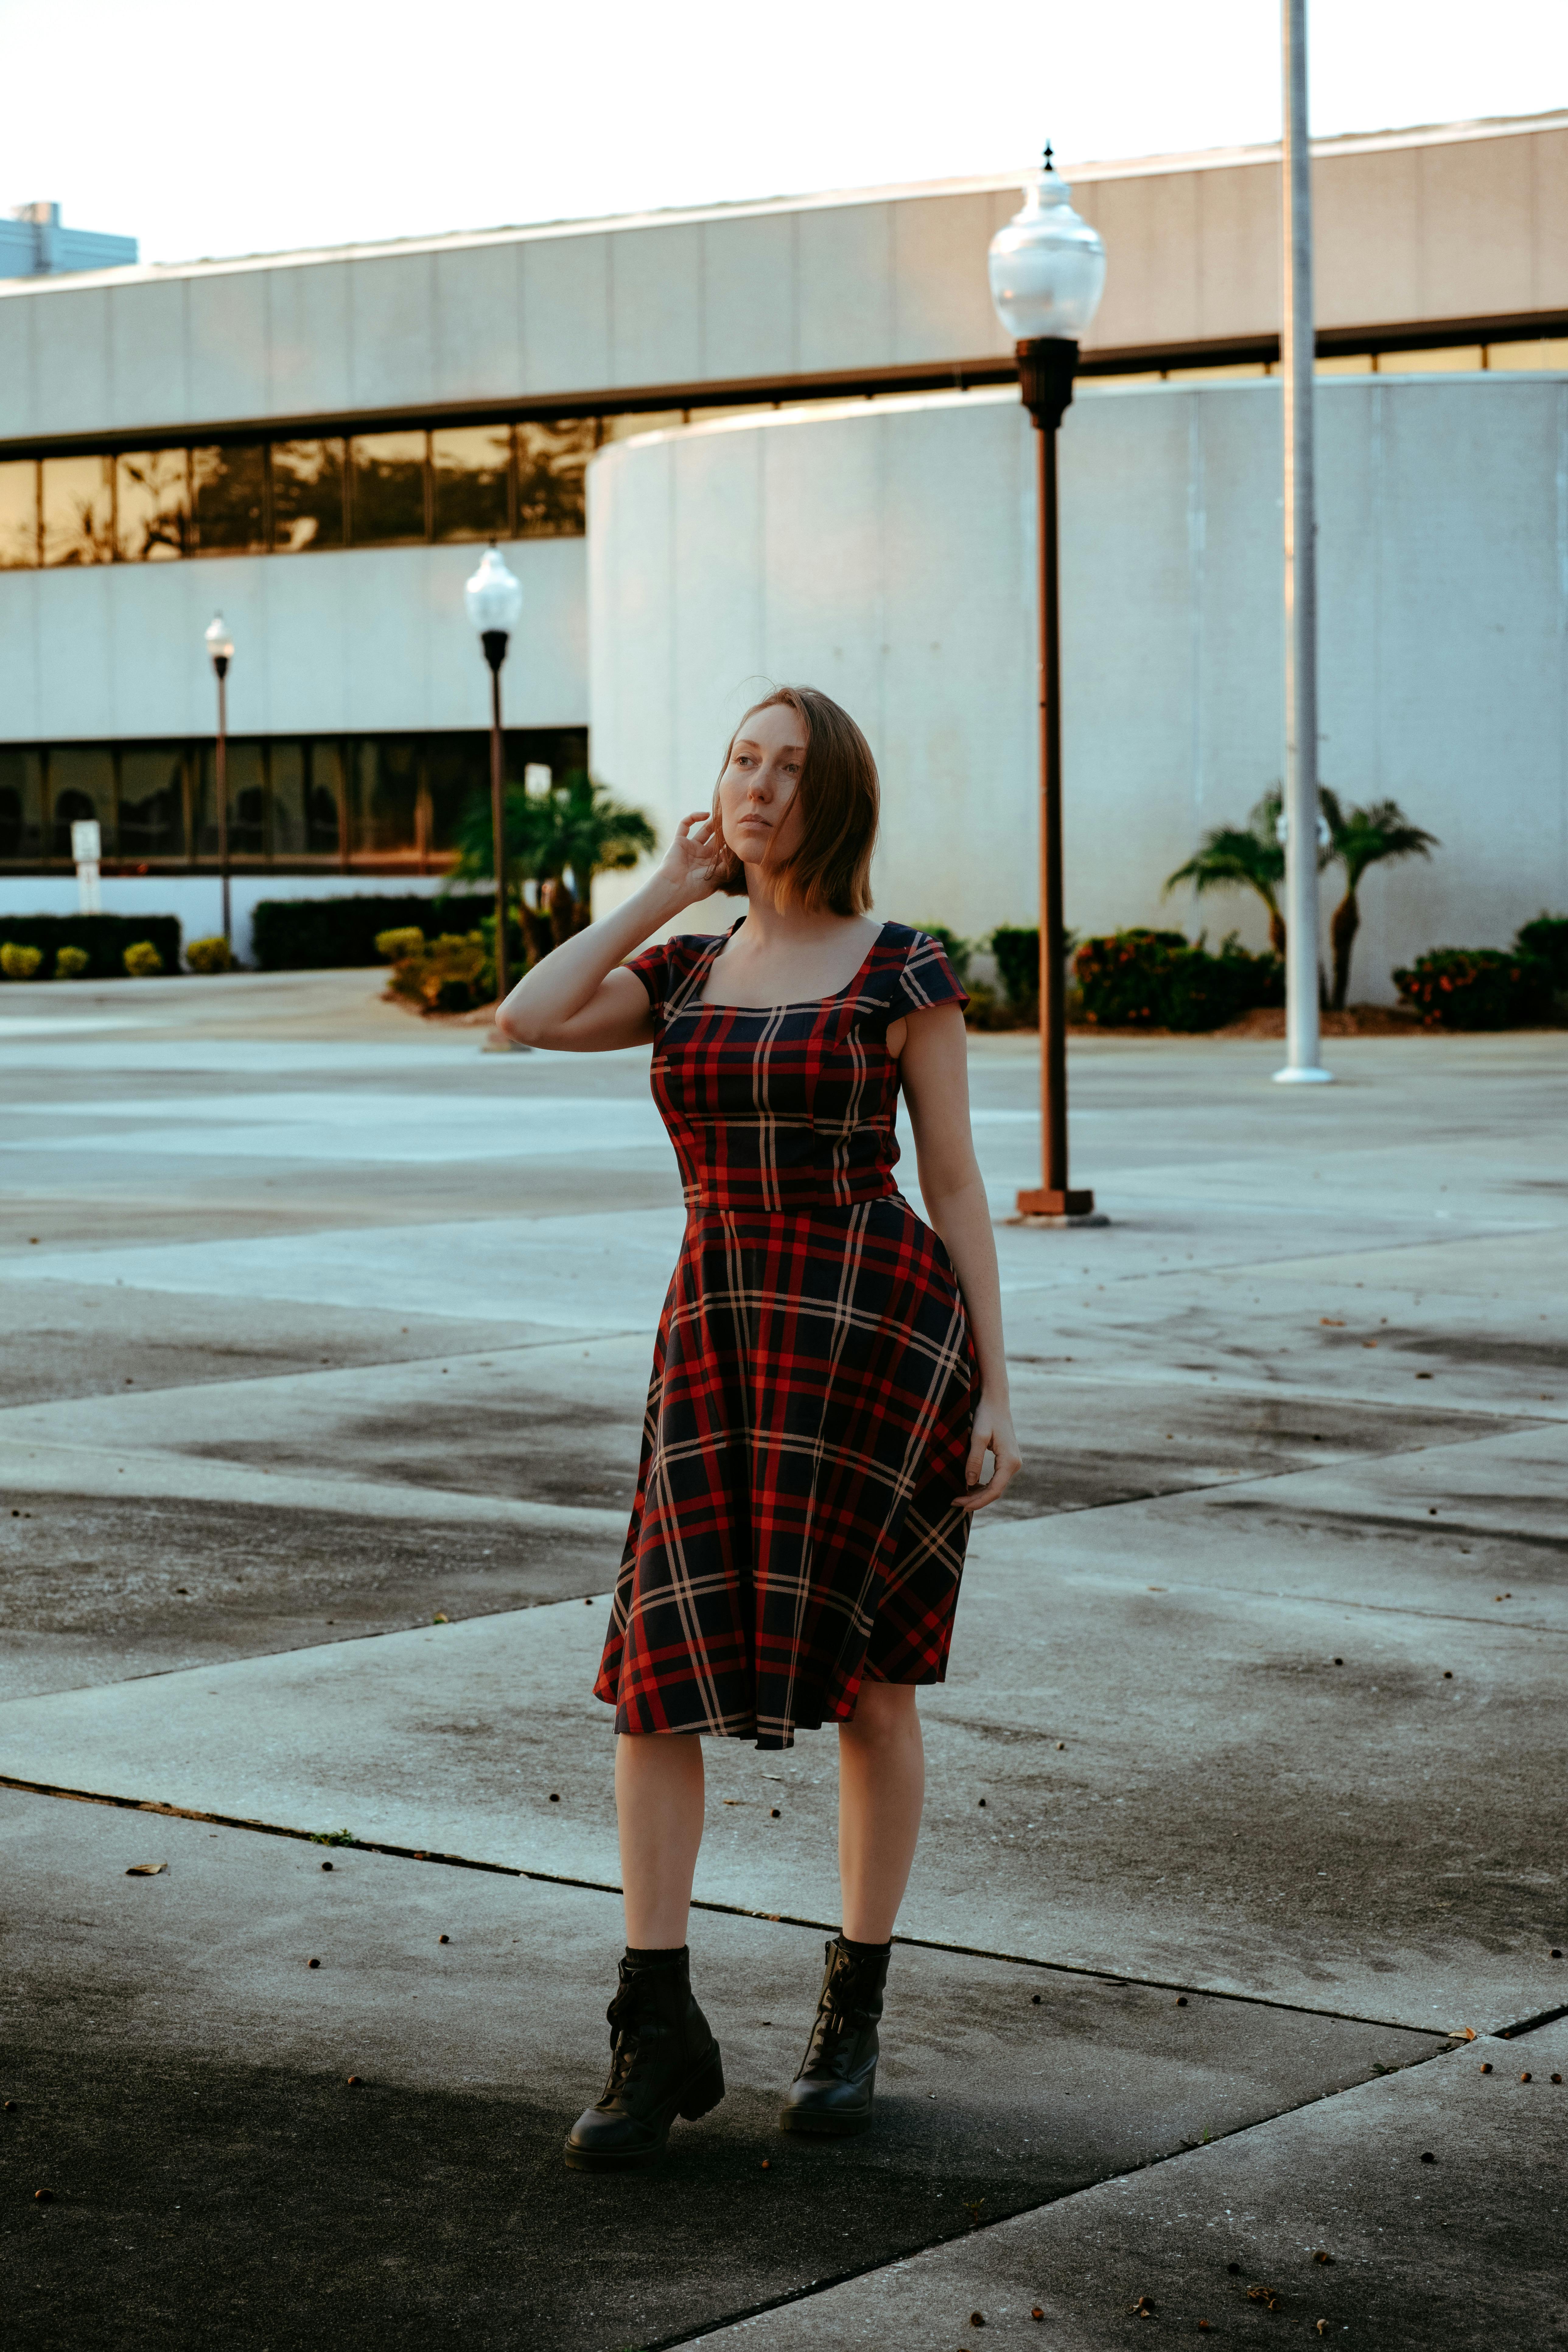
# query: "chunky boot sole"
{"points": [[701, 2091], [821, 2123]]}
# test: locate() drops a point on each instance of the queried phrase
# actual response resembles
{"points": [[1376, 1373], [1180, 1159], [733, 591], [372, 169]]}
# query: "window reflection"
{"points": [[385, 797], [19, 515], [551, 493], [469, 466], [227, 498], [247, 799], [21, 804], [153, 801], [77, 500], [456, 769], [386, 495], [152, 505], [307, 495], [81, 786]]}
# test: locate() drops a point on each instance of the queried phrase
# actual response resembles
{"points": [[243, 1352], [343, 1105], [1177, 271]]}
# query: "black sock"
{"points": [[656, 1959], [863, 1951]]}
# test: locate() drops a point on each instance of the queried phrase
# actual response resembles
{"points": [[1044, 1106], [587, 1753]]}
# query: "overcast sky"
{"points": [[210, 130]]}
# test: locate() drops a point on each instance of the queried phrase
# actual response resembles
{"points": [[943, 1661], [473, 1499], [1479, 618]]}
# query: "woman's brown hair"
{"points": [[840, 800]]}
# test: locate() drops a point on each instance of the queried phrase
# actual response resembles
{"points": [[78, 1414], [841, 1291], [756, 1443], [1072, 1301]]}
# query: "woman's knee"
{"points": [[884, 1715]]}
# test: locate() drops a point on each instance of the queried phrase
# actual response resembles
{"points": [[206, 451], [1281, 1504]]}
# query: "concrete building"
{"points": [[776, 438]]}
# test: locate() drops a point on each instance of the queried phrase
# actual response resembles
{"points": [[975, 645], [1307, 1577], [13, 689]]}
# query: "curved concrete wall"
{"points": [[889, 556]]}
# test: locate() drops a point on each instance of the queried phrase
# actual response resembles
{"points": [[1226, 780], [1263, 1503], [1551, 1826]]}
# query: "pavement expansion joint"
{"points": [[1078, 1972]]}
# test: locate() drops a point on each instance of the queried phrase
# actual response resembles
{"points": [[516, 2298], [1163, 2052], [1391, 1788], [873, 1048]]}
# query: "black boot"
{"points": [[832, 2093], [664, 2063]]}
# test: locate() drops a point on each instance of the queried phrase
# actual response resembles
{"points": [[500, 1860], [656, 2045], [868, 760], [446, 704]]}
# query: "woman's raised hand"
{"points": [[695, 859]]}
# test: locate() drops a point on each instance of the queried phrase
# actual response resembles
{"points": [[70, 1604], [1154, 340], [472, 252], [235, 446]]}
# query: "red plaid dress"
{"points": [[797, 1527]]}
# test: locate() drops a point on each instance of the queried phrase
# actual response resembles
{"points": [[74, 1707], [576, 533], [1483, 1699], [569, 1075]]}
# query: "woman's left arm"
{"points": [[934, 1068]]}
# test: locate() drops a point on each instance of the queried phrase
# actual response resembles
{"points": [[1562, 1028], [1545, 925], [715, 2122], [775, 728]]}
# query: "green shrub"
{"points": [[403, 940], [1142, 979], [143, 961], [1475, 987], [18, 962], [453, 973], [957, 950], [1016, 949], [336, 934], [211, 954], [1546, 939], [103, 938], [70, 962]]}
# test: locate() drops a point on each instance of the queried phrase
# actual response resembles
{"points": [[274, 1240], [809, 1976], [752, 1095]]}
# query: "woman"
{"points": [[829, 1378]]}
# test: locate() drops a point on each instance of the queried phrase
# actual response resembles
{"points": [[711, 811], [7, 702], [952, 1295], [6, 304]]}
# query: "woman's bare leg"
{"points": [[882, 1788], [658, 1803]]}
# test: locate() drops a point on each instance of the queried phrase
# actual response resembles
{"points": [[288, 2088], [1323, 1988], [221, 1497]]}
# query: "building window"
{"points": [[387, 500], [470, 466], [552, 486], [81, 786], [152, 505], [307, 495], [228, 499], [153, 801], [21, 806], [77, 507], [19, 515]]}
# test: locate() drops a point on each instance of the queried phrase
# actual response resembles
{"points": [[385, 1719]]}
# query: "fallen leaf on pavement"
{"points": [[145, 1869]]}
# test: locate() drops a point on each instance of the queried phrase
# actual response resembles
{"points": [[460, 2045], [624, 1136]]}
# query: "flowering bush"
{"points": [[405, 940], [454, 973], [70, 962], [143, 961], [212, 954], [1475, 987], [1141, 979], [19, 963]]}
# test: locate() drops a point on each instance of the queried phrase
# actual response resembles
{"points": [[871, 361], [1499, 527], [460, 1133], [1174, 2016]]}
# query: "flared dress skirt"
{"points": [[798, 1528]]}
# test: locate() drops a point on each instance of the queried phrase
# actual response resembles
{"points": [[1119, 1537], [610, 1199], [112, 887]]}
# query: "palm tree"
{"points": [[560, 840], [1359, 837], [1230, 859]]}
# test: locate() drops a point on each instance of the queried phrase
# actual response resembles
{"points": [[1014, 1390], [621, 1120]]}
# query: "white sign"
{"points": [[86, 841]]}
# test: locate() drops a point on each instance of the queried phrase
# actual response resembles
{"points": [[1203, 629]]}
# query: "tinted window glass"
{"points": [[226, 494], [79, 506], [81, 786], [458, 770], [386, 800], [152, 505], [328, 798], [21, 804], [306, 494], [469, 466], [18, 516], [551, 498], [153, 801], [386, 499], [246, 800]]}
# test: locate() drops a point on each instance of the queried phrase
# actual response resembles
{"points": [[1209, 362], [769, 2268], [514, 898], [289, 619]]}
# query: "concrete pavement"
{"points": [[321, 1325]]}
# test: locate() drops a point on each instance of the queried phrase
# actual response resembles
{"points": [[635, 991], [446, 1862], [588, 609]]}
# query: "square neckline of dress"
{"points": [[793, 1004]]}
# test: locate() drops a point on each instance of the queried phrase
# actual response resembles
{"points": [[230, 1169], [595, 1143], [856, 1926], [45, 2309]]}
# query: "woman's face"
{"points": [[759, 802]]}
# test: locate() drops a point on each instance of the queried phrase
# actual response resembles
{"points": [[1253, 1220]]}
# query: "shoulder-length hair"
{"points": [[840, 801]]}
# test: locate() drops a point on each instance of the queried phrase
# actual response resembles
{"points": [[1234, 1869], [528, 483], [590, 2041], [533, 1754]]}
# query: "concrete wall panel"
{"points": [[1367, 228], [846, 287], [656, 307], [392, 330], [1238, 249], [1152, 285], [226, 340], [1549, 221], [750, 299], [941, 296], [309, 341], [71, 390], [17, 395], [478, 323], [1473, 207], [565, 313], [148, 344], [895, 549]]}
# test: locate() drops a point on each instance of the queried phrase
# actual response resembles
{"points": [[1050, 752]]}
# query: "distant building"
{"points": [[34, 243], [317, 443]]}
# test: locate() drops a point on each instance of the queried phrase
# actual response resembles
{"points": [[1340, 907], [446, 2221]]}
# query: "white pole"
{"points": [[1296, 343]]}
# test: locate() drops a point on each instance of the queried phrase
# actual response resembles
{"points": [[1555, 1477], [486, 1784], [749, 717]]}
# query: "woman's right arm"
{"points": [[577, 999]]}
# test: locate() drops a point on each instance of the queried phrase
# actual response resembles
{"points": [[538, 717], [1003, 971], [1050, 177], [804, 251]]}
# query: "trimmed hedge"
{"points": [[333, 934], [1546, 938], [1139, 979], [1477, 988], [1016, 948], [103, 940]]}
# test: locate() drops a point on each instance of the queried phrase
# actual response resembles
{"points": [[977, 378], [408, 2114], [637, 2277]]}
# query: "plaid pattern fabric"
{"points": [[796, 1528]]}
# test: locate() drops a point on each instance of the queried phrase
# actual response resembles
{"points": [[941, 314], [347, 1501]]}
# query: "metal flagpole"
{"points": [[1297, 351]]}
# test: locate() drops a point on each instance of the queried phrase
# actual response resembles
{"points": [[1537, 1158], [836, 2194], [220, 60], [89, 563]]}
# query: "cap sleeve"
{"points": [[652, 968], [928, 978]]}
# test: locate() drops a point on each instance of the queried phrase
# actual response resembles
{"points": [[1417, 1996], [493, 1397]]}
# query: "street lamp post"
{"points": [[220, 644], [493, 596], [1048, 273]]}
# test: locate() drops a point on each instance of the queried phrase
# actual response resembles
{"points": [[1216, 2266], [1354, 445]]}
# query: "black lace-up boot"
{"points": [[832, 2093], [664, 2063]]}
